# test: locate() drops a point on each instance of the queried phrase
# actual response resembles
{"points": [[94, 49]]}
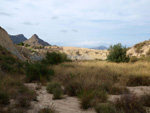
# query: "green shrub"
{"points": [[21, 44], [107, 108], [117, 53], [55, 58], [37, 72], [57, 93], [4, 98], [92, 98], [7, 67], [55, 89], [47, 110]]}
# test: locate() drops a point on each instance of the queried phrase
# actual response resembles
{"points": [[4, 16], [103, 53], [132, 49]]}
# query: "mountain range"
{"points": [[18, 38]]}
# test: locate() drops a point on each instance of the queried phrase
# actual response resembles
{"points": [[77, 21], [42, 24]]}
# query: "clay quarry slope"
{"points": [[7, 43]]}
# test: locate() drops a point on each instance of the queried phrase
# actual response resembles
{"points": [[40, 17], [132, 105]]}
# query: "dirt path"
{"points": [[67, 105]]}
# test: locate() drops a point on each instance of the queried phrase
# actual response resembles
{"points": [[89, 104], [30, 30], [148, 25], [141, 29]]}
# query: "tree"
{"points": [[117, 53]]}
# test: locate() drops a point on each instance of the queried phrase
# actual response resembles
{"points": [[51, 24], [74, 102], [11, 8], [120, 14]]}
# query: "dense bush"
{"points": [[117, 53], [55, 58], [38, 71]]}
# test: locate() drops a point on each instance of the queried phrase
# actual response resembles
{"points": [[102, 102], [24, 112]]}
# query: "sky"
{"points": [[78, 23]]}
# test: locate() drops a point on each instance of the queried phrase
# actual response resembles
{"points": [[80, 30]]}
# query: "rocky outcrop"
{"points": [[36, 41], [140, 49], [7, 43], [18, 38]]}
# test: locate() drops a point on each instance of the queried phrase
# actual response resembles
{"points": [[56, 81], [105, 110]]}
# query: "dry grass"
{"points": [[86, 77], [95, 71]]}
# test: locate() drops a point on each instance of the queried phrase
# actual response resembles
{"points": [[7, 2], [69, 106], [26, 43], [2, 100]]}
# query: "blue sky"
{"points": [[79, 23]]}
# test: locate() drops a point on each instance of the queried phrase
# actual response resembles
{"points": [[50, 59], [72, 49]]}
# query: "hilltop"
{"points": [[36, 41]]}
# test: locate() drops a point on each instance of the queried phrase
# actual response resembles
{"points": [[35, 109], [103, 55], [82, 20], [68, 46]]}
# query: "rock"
{"points": [[7, 43]]}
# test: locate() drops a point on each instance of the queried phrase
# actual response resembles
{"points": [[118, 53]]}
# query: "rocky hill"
{"points": [[18, 38], [140, 49], [7, 43], [36, 41]]}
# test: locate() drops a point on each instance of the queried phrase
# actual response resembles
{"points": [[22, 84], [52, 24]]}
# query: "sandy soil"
{"points": [[67, 105]]}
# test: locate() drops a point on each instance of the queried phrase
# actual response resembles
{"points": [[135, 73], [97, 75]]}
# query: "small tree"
{"points": [[117, 53]]}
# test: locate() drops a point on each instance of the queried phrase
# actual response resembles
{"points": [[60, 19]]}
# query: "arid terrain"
{"points": [[54, 79]]}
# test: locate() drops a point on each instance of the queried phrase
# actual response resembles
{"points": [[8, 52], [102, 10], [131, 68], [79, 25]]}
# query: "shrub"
{"points": [[37, 72], [55, 89], [138, 80], [117, 90], [47, 110], [4, 98], [92, 98], [21, 44], [57, 93], [55, 58], [146, 100], [134, 59], [107, 108], [130, 104], [117, 53]]}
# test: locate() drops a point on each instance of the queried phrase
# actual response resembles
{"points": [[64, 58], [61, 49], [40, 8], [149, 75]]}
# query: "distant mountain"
{"points": [[36, 41], [18, 38], [100, 48]]}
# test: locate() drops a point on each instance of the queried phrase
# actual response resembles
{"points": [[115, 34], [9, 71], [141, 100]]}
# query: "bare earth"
{"points": [[67, 105]]}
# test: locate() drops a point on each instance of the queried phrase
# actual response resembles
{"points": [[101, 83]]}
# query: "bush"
{"points": [[138, 80], [57, 93], [146, 100], [92, 98], [37, 72], [117, 90], [47, 110], [4, 98], [55, 89], [55, 58], [134, 59], [107, 108], [130, 104], [117, 54]]}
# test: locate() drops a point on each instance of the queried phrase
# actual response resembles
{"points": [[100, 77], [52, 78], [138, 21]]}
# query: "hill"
{"points": [[36, 41], [18, 38], [140, 49], [7, 43]]}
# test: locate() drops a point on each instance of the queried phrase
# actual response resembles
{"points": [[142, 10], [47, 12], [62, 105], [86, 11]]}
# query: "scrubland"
{"points": [[92, 82]]}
